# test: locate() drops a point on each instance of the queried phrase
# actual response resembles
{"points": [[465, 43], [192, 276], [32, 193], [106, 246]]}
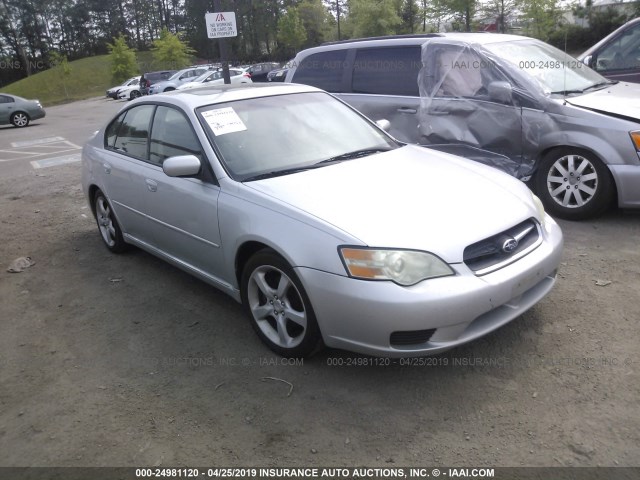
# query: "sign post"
{"points": [[221, 25]]}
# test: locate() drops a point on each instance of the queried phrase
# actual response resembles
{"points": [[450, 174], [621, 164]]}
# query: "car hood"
{"points": [[621, 99], [410, 197]]}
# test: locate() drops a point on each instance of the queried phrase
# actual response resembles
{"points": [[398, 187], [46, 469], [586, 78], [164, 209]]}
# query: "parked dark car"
{"points": [[150, 78], [259, 71], [279, 74], [617, 56]]}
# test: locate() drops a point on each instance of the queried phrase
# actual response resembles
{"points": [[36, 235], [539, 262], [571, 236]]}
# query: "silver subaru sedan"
{"points": [[325, 228]]}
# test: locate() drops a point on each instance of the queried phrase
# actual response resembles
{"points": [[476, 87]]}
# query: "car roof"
{"points": [[482, 38], [196, 97]]}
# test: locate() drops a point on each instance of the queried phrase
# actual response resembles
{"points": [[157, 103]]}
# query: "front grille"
{"points": [[411, 337], [497, 251]]}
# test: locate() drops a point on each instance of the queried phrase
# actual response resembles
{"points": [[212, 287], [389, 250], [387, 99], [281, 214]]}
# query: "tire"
{"points": [[168, 89], [19, 119], [108, 226], [134, 94], [574, 184], [278, 307]]}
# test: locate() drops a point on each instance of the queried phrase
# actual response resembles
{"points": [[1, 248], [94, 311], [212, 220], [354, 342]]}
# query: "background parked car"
{"points": [[236, 76], [129, 93], [150, 78], [177, 79], [113, 92], [254, 219], [508, 101], [19, 111], [279, 74], [259, 71], [617, 56]]}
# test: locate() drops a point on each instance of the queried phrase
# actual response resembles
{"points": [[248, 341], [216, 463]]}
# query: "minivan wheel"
{"points": [[279, 309], [19, 119], [107, 224], [574, 184]]}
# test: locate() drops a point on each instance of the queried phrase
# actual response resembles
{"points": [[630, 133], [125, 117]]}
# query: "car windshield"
{"points": [[280, 134], [556, 71]]}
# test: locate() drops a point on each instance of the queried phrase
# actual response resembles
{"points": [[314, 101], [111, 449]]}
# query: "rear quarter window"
{"points": [[322, 70]]}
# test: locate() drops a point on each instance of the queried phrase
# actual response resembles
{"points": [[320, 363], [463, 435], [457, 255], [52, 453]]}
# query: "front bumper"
{"points": [[361, 316], [627, 179]]}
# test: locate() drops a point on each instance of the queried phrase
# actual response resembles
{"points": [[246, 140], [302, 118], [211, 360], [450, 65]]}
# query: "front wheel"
{"points": [[19, 119], [134, 94], [574, 184], [279, 309]]}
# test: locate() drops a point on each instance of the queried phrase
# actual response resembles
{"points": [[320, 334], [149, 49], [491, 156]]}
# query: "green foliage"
{"points": [[541, 18], [171, 52], [123, 60], [576, 38], [291, 32], [316, 20], [369, 18], [62, 68]]}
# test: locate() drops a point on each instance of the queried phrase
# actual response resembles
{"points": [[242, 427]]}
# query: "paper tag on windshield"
{"points": [[224, 120]]}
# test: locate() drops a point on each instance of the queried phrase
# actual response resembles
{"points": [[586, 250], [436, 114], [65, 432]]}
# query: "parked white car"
{"points": [[113, 91], [215, 78], [129, 93]]}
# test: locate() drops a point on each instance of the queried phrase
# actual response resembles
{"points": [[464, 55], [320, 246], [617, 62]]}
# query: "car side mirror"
{"points": [[384, 124], [500, 92], [182, 166], [587, 60]]}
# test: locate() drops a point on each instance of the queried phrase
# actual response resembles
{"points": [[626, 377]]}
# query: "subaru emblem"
{"points": [[509, 245]]}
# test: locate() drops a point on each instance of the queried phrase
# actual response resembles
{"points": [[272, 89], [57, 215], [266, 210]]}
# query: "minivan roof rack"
{"points": [[385, 37]]}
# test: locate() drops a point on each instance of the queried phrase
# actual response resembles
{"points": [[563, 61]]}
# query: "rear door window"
{"points": [[322, 70], [387, 71]]}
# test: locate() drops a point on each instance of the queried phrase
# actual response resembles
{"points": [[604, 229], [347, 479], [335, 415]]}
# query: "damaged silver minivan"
{"points": [[508, 101]]}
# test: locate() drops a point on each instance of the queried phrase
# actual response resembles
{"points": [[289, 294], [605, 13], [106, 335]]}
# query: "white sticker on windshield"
{"points": [[224, 120]]}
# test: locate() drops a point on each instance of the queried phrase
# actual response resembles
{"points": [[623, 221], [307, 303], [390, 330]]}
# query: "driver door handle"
{"points": [[407, 110]]}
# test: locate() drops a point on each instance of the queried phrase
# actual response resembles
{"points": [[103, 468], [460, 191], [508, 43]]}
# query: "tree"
{"points": [[171, 52], [541, 17], [315, 18], [123, 60], [463, 11], [369, 18], [61, 64], [291, 32], [501, 11], [409, 16]]}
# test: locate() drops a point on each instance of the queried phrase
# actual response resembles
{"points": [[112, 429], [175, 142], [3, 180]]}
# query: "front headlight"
{"points": [[404, 267], [635, 138]]}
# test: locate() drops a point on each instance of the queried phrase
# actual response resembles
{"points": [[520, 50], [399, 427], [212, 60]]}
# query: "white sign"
{"points": [[221, 24], [224, 120]]}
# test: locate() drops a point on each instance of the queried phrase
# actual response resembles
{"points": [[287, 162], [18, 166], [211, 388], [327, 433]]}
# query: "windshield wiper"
{"points": [[356, 154], [322, 163], [591, 87]]}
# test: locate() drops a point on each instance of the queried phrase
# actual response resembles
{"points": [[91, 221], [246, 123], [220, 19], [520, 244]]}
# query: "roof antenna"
{"points": [[564, 69]]}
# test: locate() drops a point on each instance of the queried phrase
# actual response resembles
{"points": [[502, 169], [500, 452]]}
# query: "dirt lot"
{"points": [[125, 361]]}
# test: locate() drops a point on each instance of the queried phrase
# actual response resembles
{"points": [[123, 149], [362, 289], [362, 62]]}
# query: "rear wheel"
{"points": [[574, 184], [279, 309], [107, 224], [19, 119]]}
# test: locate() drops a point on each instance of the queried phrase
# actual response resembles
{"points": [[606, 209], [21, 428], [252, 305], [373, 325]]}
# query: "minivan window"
{"points": [[387, 71], [322, 70]]}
